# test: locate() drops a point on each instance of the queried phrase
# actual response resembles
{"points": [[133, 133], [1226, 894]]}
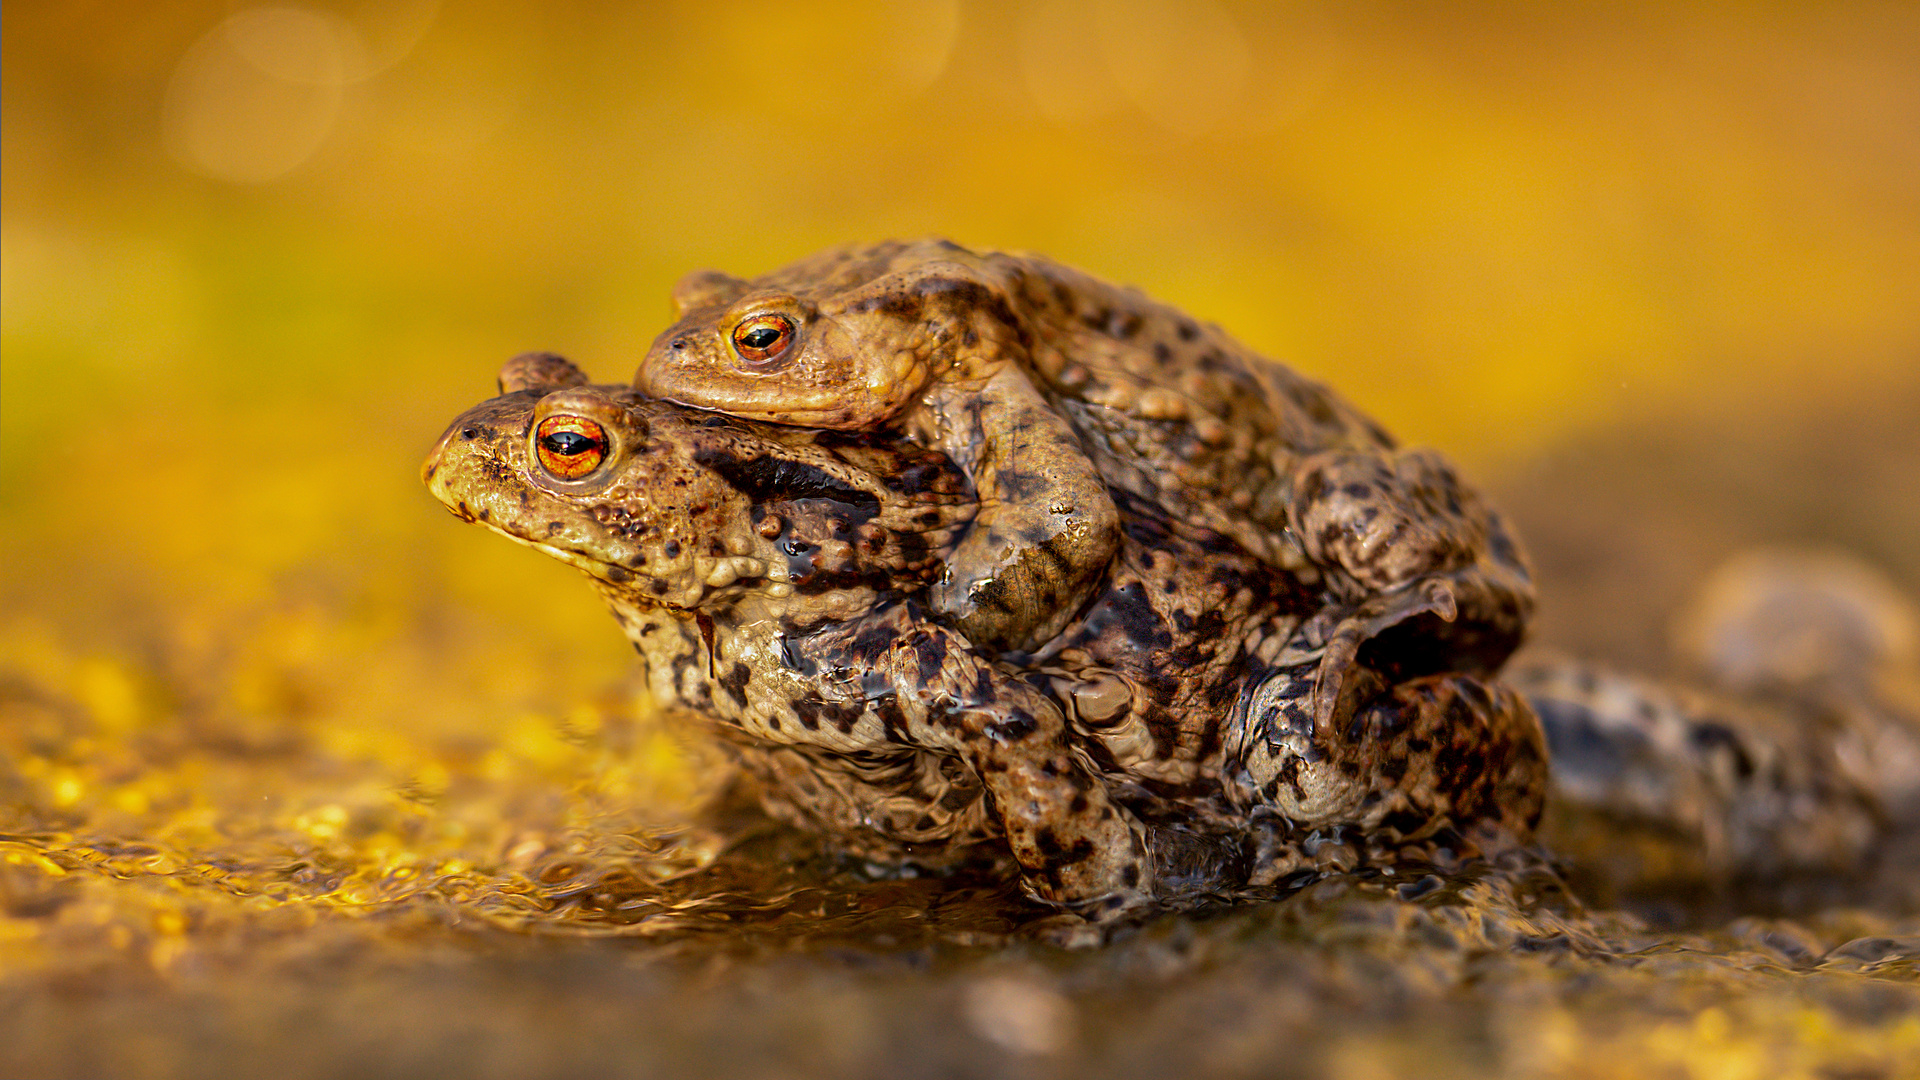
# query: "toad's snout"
{"points": [[460, 433], [451, 465]]}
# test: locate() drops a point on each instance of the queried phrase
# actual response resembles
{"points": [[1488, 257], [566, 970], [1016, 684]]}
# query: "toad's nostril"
{"points": [[679, 343]]}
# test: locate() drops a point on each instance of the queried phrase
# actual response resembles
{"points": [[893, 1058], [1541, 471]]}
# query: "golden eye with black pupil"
{"points": [[763, 338], [570, 447]]}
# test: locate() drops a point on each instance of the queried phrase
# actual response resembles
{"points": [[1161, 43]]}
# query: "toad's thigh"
{"points": [[1424, 753]]}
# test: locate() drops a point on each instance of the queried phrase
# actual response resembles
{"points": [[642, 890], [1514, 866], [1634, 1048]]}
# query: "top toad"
{"points": [[1050, 390]]}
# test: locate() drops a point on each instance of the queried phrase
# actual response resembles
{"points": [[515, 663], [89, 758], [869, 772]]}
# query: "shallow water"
{"points": [[752, 966]]}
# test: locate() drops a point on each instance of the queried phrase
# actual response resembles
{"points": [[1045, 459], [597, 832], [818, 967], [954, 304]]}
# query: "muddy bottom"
{"points": [[187, 891]]}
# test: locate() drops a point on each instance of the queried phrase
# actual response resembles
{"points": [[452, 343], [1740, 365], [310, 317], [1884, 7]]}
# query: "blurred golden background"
{"points": [[256, 255]]}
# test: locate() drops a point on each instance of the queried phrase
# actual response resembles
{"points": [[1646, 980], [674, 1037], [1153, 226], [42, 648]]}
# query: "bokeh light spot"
{"points": [[1185, 64], [257, 96]]}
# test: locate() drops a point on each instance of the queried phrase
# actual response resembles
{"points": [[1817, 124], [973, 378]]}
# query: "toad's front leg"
{"points": [[1047, 526], [1076, 848]]}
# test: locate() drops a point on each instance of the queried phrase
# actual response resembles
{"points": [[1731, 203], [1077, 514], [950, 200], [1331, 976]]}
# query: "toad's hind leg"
{"points": [[1424, 754], [1436, 579], [1047, 525]]}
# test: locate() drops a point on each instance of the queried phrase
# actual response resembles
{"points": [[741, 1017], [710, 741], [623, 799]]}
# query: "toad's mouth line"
{"points": [[693, 587]]}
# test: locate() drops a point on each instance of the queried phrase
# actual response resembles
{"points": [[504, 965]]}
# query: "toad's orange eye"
{"points": [[763, 338], [570, 447]]}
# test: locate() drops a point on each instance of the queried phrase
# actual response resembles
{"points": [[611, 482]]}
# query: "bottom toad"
{"points": [[1169, 742]]}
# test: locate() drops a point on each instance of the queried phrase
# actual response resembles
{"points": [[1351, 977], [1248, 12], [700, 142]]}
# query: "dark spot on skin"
{"points": [[1187, 330], [1049, 845], [1391, 769], [1162, 352], [812, 711], [1220, 692], [994, 594], [893, 720], [955, 296], [734, 682], [618, 575], [843, 578], [672, 548], [904, 306], [808, 711], [1129, 610], [923, 474], [1315, 404], [1057, 563], [930, 650], [873, 643], [705, 623], [1711, 735], [1312, 489], [842, 716], [983, 685], [772, 479]]}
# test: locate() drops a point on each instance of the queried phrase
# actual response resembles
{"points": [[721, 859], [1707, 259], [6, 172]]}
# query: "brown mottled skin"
{"points": [[1160, 741], [1057, 394]]}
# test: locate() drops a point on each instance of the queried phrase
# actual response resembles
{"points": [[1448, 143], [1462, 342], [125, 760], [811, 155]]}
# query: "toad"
{"points": [[1059, 396], [1155, 743]]}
